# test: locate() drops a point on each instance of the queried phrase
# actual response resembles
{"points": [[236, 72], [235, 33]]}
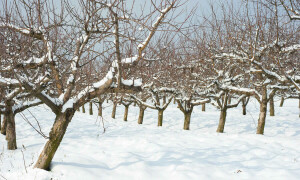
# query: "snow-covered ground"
{"points": [[130, 151]]}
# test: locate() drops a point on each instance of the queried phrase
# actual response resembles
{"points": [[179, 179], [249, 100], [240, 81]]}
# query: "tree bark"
{"points": [[187, 120], [56, 135], [3, 125], [222, 120], [91, 108], [160, 117], [281, 102], [262, 113], [141, 115], [272, 110], [83, 109], [11, 131], [126, 112], [100, 109], [203, 107], [113, 114]]}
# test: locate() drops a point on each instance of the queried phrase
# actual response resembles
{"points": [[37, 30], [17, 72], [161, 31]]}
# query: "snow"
{"points": [[131, 151], [291, 48], [132, 82], [129, 60]]}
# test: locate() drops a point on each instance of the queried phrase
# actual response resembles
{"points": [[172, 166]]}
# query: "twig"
{"points": [[25, 119], [24, 161], [2, 176]]}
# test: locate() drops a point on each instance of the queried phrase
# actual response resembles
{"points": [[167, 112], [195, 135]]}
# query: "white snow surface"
{"points": [[131, 151]]}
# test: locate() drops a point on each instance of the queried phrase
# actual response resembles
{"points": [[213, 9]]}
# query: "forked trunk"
{"points": [[281, 102], [141, 115], [91, 108], [126, 112], [262, 113], [272, 110], [203, 107], [187, 120], [113, 113], [160, 117], [3, 125], [222, 120], [11, 131], [100, 109], [55, 137], [83, 109]]}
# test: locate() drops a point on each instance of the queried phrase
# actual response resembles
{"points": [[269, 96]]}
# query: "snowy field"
{"points": [[130, 151]]}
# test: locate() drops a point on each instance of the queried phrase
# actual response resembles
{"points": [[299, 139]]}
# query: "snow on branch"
{"points": [[155, 25]]}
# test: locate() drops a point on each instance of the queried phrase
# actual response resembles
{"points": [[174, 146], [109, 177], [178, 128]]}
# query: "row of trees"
{"points": [[85, 51]]}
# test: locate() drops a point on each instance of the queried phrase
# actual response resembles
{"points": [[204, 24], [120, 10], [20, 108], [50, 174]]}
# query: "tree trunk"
{"points": [[160, 117], [91, 108], [272, 110], [3, 125], [56, 135], [113, 114], [187, 120], [244, 109], [11, 131], [222, 120], [0, 120], [262, 113], [100, 109], [83, 109], [126, 112], [244, 104], [203, 107], [141, 115], [281, 102]]}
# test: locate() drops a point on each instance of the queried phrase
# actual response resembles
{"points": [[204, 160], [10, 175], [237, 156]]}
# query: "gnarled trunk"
{"points": [[281, 102], [222, 120], [262, 113], [272, 110], [113, 113], [126, 112], [141, 115], [160, 117], [56, 135], [3, 125], [11, 131], [187, 120], [203, 107], [91, 108]]}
